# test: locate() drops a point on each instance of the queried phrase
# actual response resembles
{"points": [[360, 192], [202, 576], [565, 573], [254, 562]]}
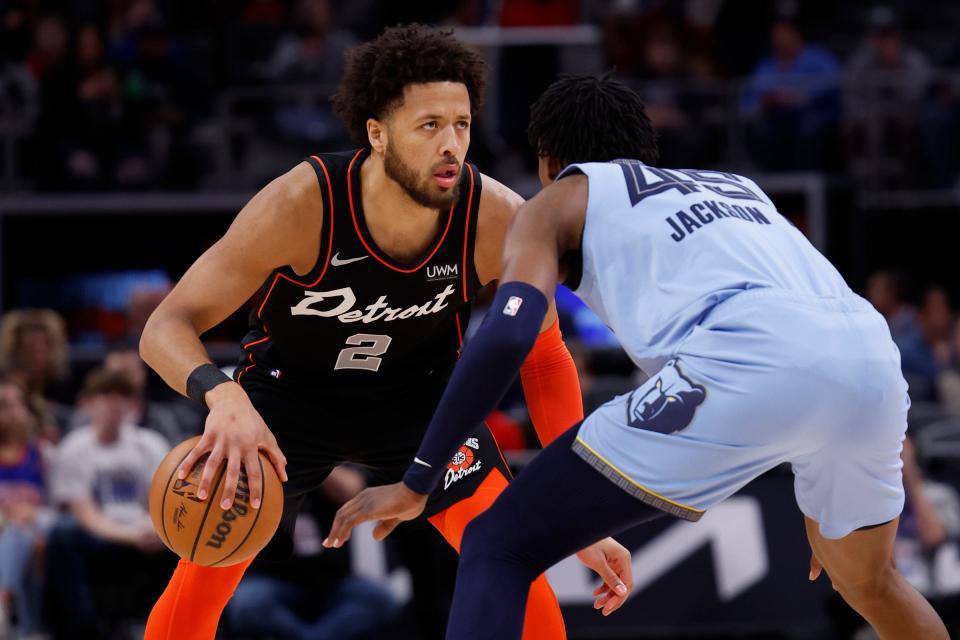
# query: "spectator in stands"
{"points": [[18, 87], [313, 596], [887, 290], [116, 154], [673, 100], [526, 70], [165, 90], [885, 67], [18, 94], [931, 517], [24, 519], [940, 123], [937, 322], [313, 54], [886, 83], [49, 48], [926, 518], [101, 473], [143, 300], [34, 351], [15, 33], [174, 421], [793, 98], [251, 35], [79, 129], [47, 62], [949, 379]]}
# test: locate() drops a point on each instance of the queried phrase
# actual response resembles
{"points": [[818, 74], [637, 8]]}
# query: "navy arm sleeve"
{"points": [[482, 376]]}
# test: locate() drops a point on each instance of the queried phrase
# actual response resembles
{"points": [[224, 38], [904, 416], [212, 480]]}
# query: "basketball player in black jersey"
{"points": [[366, 263]]}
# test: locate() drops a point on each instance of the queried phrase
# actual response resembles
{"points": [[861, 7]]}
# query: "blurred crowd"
{"points": [[79, 556], [136, 94]]}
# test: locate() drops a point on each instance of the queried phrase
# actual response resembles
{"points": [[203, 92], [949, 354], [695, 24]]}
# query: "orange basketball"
{"points": [[201, 531]]}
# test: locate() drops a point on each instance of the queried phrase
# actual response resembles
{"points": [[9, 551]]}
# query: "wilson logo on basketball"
{"points": [[462, 464], [239, 509]]}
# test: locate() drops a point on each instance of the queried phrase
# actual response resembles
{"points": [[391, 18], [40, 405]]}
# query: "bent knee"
{"points": [[876, 588], [478, 537], [493, 541]]}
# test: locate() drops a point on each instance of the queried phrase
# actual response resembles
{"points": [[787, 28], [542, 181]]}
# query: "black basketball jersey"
{"points": [[360, 318]]}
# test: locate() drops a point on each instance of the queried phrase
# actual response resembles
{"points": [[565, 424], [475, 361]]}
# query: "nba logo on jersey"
{"points": [[513, 306]]}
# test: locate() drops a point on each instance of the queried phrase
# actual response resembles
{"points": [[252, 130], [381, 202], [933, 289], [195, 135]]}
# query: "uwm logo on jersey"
{"points": [[341, 303], [442, 272]]}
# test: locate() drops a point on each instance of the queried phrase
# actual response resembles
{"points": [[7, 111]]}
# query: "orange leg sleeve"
{"points": [[190, 607], [543, 619]]}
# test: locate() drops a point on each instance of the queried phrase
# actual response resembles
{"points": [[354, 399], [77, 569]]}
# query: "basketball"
{"points": [[199, 530]]}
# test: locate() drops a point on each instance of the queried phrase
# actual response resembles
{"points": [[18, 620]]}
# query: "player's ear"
{"points": [[554, 167], [377, 135], [549, 168]]}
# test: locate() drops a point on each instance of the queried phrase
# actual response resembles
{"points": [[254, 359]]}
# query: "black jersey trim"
{"points": [[384, 260], [328, 214]]}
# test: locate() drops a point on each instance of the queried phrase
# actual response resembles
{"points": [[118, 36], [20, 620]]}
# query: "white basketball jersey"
{"points": [[661, 247]]}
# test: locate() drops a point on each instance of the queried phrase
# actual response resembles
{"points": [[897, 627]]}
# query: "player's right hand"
{"points": [[234, 432]]}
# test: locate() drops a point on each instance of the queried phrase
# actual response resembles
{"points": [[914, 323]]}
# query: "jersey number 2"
{"points": [[364, 355]]}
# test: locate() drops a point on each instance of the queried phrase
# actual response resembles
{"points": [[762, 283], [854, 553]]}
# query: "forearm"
{"points": [[551, 386], [493, 356], [171, 346]]}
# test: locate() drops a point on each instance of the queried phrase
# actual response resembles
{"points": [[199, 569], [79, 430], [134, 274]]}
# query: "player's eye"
{"points": [[430, 125], [463, 124]]}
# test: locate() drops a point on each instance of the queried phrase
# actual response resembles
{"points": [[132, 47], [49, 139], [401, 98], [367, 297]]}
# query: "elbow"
{"points": [[150, 337], [144, 346], [146, 340]]}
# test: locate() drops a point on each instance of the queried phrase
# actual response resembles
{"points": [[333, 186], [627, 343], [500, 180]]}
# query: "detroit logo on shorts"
{"points": [[666, 402], [462, 464]]}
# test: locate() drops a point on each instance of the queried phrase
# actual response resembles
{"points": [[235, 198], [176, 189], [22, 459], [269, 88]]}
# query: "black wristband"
{"points": [[202, 379]]}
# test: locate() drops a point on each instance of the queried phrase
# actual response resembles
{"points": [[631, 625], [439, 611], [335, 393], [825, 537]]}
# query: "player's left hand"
{"points": [[611, 560], [390, 504]]}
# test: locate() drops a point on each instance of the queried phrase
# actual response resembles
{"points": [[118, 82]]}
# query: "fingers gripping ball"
{"points": [[202, 532]]}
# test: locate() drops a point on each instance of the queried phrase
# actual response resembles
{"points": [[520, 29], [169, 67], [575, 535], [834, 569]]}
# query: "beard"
{"points": [[420, 191]]}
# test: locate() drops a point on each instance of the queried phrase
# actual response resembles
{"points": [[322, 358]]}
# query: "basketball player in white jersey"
{"points": [[758, 354]]}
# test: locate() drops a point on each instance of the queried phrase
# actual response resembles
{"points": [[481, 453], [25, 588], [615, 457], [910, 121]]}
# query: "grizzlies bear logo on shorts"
{"points": [[666, 402]]}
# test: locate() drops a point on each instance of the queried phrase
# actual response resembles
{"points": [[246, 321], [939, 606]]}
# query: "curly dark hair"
{"points": [[377, 72], [591, 119]]}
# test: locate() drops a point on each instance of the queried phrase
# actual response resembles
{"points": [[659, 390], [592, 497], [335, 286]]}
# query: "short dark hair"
{"points": [[591, 119], [378, 71], [101, 382]]}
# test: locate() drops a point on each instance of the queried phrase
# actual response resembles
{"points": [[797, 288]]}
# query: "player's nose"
{"points": [[450, 143]]}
